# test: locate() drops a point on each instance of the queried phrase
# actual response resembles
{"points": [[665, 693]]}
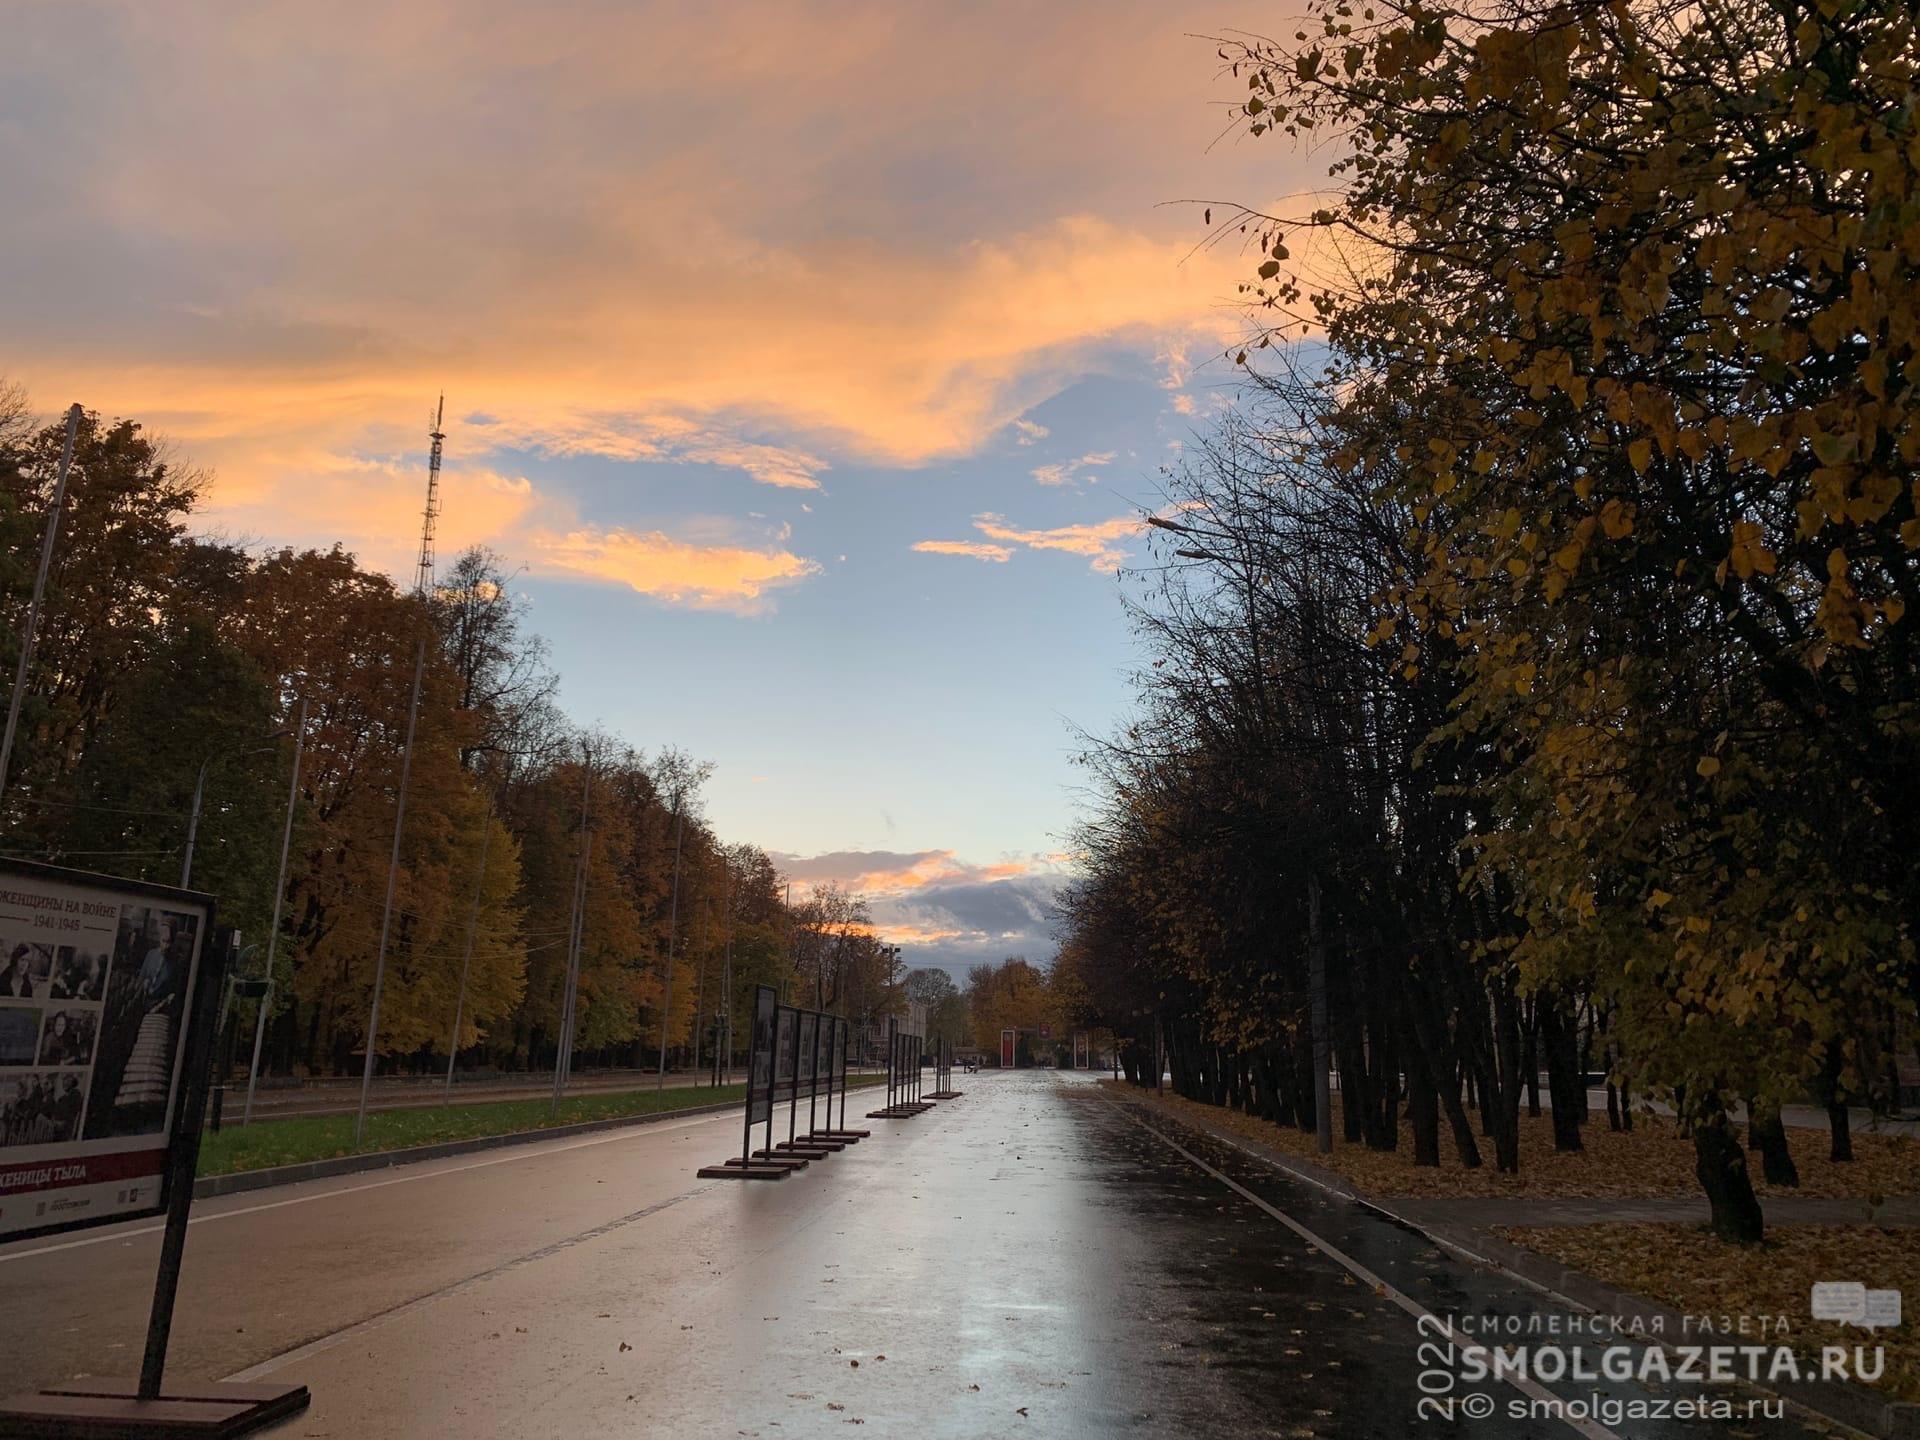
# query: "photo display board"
{"points": [[96, 977], [760, 1057], [809, 1051], [783, 1049]]}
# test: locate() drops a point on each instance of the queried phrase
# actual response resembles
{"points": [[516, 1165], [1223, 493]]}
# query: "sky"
{"points": [[812, 365]]}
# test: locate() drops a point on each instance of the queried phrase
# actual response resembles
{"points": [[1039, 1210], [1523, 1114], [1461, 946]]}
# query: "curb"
{"points": [[240, 1181], [1843, 1404]]}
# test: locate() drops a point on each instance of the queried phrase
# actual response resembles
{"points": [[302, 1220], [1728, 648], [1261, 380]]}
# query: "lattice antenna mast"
{"points": [[423, 571]]}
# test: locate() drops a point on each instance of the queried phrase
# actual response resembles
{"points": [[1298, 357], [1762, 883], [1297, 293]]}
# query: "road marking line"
{"points": [[1529, 1388], [521, 1152], [419, 1302]]}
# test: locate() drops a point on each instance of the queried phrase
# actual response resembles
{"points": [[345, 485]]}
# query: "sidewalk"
{"points": [[1895, 1212], [1465, 1227], [1799, 1117]]}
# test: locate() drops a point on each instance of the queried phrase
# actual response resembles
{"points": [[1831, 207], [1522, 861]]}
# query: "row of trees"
{"points": [[169, 661], [1530, 681], [1028, 999]]}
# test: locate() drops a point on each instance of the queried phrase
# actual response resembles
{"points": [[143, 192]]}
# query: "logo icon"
{"points": [[1848, 1302]]}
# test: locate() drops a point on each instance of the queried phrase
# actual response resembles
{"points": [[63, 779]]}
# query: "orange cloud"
{"points": [[711, 577], [1098, 541], [651, 437], [976, 549], [903, 932], [889, 873], [652, 233], [654, 367], [1065, 471]]}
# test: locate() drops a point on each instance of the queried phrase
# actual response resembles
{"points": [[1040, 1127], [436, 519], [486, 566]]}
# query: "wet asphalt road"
{"points": [[1031, 1259]]}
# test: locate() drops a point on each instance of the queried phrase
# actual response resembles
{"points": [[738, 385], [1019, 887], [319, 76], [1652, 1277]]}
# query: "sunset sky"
{"points": [[811, 360]]}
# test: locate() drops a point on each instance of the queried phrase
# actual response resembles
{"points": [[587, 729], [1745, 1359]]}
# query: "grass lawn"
{"points": [[1648, 1162], [323, 1137], [1685, 1267]]}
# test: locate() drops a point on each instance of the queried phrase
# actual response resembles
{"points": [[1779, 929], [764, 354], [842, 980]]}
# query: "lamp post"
{"points": [[890, 954], [673, 928], [199, 793], [30, 632], [466, 962], [273, 930]]}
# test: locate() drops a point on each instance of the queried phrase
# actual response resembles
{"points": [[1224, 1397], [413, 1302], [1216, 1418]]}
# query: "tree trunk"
{"points": [[1426, 1014], [1840, 1126], [1423, 1109], [1839, 1121], [1563, 1068], [1304, 1098], [1583, 1056], [1273, 1076], [1721, 1166], [1383, 1083], [1775, 1158], [1505, 1108], [1353, 1076], [1530, 1057]]}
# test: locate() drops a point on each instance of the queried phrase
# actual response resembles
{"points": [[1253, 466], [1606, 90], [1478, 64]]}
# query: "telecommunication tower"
{"points": [[423, 571]]}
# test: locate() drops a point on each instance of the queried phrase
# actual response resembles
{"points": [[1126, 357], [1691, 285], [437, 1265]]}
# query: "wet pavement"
{"points": [[1031, 1259]]}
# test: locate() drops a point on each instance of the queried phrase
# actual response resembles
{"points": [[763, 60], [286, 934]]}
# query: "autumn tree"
{"points": [[947, 1015], [1618, 303], [117, 586]]}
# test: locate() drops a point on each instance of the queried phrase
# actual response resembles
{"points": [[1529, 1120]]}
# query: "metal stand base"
{"points": [[768, 1157], [898, 1112], [748, 1170], [844, 1137], [799, 1152], [110, 1410], [813, 1142], [945, 1094]]}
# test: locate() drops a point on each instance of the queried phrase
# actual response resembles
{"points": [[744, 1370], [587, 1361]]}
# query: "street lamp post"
{"points": [[673, 927], [199, 793], [273, 930], [466, 963], [890, 954], [30, 632]]}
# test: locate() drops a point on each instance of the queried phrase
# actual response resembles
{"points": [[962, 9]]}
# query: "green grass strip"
{"points": [[302, 1138]]}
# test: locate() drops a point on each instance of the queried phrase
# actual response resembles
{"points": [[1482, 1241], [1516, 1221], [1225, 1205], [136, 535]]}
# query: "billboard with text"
{"points": [[95, 980], [760, 1056]]}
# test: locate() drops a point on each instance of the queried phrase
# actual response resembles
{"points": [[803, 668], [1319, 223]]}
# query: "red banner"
{"points": [[80, 1170]]}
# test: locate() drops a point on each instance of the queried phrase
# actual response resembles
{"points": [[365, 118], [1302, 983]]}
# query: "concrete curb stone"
{"points": [[240, 1181]]}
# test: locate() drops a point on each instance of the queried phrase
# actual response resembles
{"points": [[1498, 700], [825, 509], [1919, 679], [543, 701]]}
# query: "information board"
{"points": [[809, 1051], [783, 1049], [96, 977], [760, 1057]]}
